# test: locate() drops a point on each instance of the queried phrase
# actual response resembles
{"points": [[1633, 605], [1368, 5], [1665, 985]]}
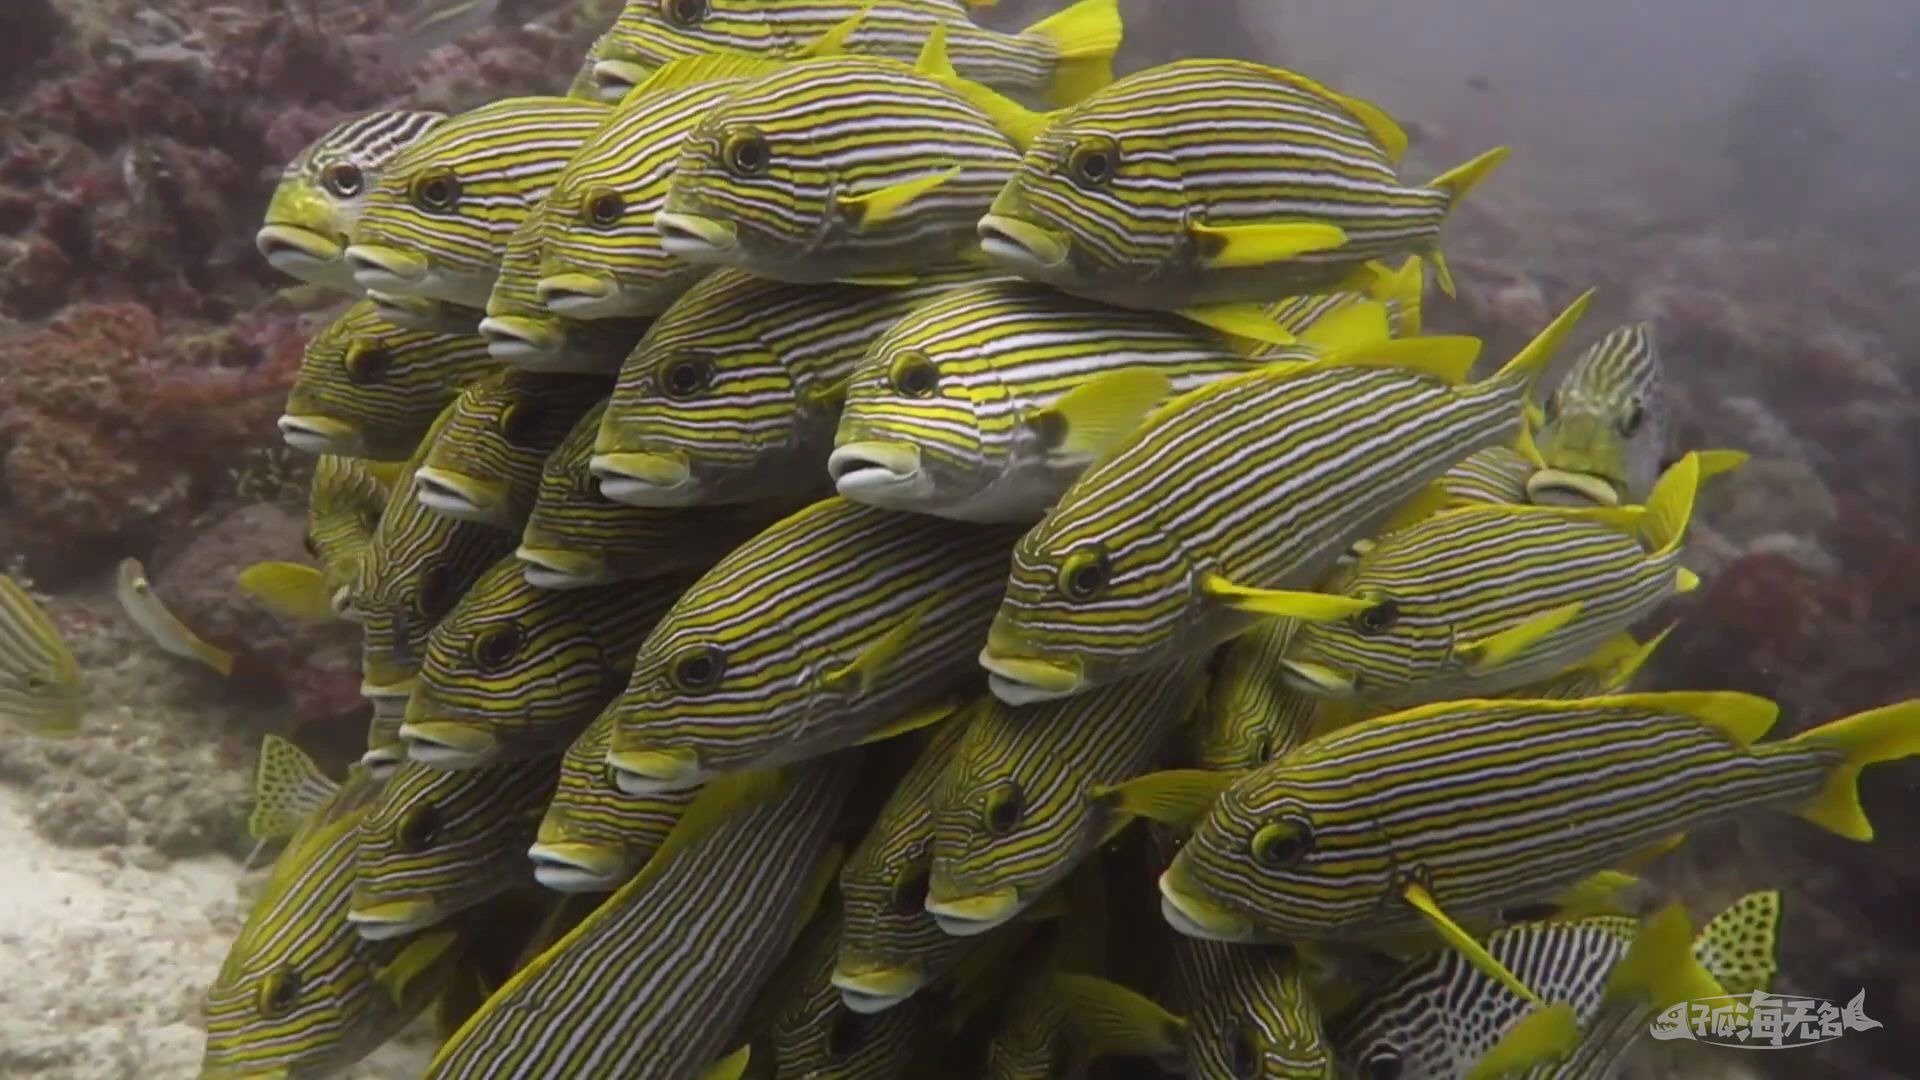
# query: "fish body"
{"points": [[1252, 714], [484, 462], [1215, 181], [577, 538], [1497, 475], [1480, 600], [1463, 809], [1022, 802], [595, 836], [841, 169], [520, 331], [147, 611], [984, 404], [437, 224], [439, 841], [835, 623], [1061, 58], [322, 192], [1605, 430], [345, 502], [369, 389], [733, 394], [515, 672], [816, 1034], [1255, 483], [40, 686], [656, 980]]}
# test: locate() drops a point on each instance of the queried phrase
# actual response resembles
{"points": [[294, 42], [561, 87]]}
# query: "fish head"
{"points": [[485, 460], [647, 36], [890, 946], [912, 431], [1038, 1040], [819, 1035], [594, 836], [1606, 426], [1259, 1021], [416, 568], [367, 388], [1249, 714], [344, 503]]}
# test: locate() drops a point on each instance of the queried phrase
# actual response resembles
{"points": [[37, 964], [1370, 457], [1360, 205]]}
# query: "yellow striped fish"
{"points": [[439, 841], [483, 463], [985, 403], [322, 191], [815, 1034], [851, 169], [522, 333], [1462, 809], [40, 688], [1251, 714], [597, 252], [577, 538], [1440, 1017], [1024, 801], [422, 313], [345, 502], [733, 394], [370, 389], [656, 980], [838, 624], [594, 835], [438, 221], [1061, 58], [1497, 475], [1483, 599], [385, 750], [1206, 182], [1181, 539], [1035, 1038], [515, 672], [1604, 430]]}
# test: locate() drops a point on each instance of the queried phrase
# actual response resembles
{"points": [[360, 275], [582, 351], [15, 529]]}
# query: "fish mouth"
{"points": [[419, 312], [380, 761], [311, 434], [614, 79], [1317, 679], [377, 266], [458, 495], [875, 468], [573, 867], [654, 772], [967, 916], [519, 341], [578, 296], [645, 479], [695, 237], [1560, 487], [876, 990], [447, 744], [554, 568], [296, 250], [392, 918], [1021, 245], [1194, 917], [1023, 680]]}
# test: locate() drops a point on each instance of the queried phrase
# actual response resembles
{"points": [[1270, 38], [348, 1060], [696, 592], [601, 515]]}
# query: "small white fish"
{"points": [[149, 614]]}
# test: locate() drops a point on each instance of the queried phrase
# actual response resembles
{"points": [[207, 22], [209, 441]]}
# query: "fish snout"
{"points": [[579, 296], [695, 238], [377, 266], [873, 470], [520, 341], [319, 434], [641, 479]]}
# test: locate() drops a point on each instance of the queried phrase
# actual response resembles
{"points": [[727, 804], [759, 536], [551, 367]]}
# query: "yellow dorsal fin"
{"points": [[1884, 734], [873, 660], [290, 590], [1385, 130], [1670, 506], [1226, 247], [1463, 178], [1659, 966], [287, 789], [1740, 947], [1096, 416], [1116, 1020], [1422, 901], [1742, 717], [1528, 365], [706, 68], [883, 204], [1490, 652], [419, 958], [1625, 669], [1543, 1035], [731, 1067], [913, 721], [1175, 797], [1281, 603], [1083, 37], [933, 61], [1447, 357], [1352, 325], [1523, 443], [834, 41]]}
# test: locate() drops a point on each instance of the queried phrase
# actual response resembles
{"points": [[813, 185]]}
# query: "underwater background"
{"points": [[1739, 174]]}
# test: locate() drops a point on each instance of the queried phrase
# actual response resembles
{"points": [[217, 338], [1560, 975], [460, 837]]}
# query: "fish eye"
{"points": [[313, 549], [603, 206], [1005, 807], [1085, 573], [845, 1036], [1383, 1065], [745, 153], [913, 375], [280, 992], [495, 649], [36, 683], [1282, 843], [909, 894], [1243, 1056], [1092, 162], [686, 377], [1377, 619], [367, 363], [343, 179], [1630, 423], [519, 424], [698, 667], [436, 189], [685, 14], [435, 585], [419, 827]]}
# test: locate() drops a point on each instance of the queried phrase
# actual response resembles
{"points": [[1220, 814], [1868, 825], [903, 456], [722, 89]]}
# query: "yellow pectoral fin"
{"points": [[421, 956], [289, 590], [834, 41], [1249, 322], [882, 205], [1543, 1035], [731, 1067], [719, 799], [1281, 603], [1476, 953], [865, 668], [1425, 503], [1094, 417], [911, 722], [1116, 1020], [1660, 966], [1239, 246], [1175, 797], [1353, 326], [1446, 357], [1487, 653]]}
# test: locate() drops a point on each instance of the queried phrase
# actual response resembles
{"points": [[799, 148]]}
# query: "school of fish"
{"points": [[882, 550]]}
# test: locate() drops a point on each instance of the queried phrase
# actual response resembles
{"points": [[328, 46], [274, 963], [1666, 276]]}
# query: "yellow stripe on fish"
{"points": [[1251, 714], [322, 191], [1604, 430], [1061, 58], [369, 389], [40, 687], [816, 1034], [835, 625], [437, 223], [345, 502], [483, 464], [1497, 475], [515, 672], [521, 332], [733, 394], [594, 835], [1253, 484]]}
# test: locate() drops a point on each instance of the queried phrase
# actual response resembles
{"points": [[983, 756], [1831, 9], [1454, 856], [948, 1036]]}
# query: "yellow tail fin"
{"points": [[1888, 733], [1456, 182], [1084, 37], [1532, 361], [1660, 966]]}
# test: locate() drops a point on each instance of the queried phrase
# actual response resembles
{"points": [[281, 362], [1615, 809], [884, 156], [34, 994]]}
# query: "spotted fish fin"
{"points": [[1083, 38], [1543, 1035], [1096, 416], [1457, 182], [703, 69], [874, 659], [882, 205], [1476, 954], [1741, 717], [1116, 1020], [1740, 947], [1174, 797], [1532, 361], [420, 960], [1350, 326], [1227, 247], [1448, 358], [1484, 654], [913, 721], [1670, 506], [1888, 733], [731, 1067], [288, 788], [1247, 322], [1660, 966], [1281, 603], [834, 41], [289, 590]]}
